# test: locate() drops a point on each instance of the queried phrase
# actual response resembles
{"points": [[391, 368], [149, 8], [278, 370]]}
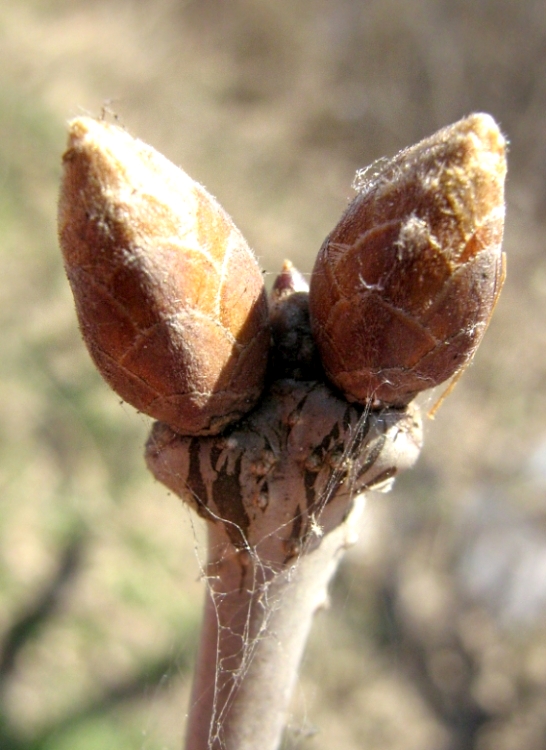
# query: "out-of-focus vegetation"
{"points": [[436, 636]]}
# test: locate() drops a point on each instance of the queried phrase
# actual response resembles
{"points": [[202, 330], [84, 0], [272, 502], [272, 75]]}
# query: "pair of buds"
{"points": [[171, 300]]}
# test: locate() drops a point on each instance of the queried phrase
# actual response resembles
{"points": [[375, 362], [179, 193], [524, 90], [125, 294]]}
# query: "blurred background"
{"points": [[436, 637]]}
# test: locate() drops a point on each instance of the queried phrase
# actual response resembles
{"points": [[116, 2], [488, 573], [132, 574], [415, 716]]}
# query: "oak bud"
{"points": [[170, 298], [404, 286]]}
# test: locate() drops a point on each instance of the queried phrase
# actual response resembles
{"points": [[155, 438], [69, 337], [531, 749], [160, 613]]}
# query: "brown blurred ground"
{"points": [[436, 638]]}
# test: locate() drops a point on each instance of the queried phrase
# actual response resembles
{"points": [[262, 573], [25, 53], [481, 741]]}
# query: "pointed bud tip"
{"points": [[485, 143], [288, 281], [485, 128]]}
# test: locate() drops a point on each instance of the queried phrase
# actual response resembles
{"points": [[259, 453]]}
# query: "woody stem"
{"points": [[256, 622]]}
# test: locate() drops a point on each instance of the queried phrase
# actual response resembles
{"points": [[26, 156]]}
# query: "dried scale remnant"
{"points": [[292, 466], [404, 286], [169, 297]]}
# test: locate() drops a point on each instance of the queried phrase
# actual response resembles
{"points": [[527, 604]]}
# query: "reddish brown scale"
{"points": [[169, 297], [404, 286]]}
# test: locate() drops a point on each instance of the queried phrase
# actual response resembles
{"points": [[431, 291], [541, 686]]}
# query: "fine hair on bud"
{"points": [[169, 297], [404, 286]]}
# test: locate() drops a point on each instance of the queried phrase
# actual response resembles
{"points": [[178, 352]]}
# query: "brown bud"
{"points": [[294, 354], [404, 286], [169, 297]]}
